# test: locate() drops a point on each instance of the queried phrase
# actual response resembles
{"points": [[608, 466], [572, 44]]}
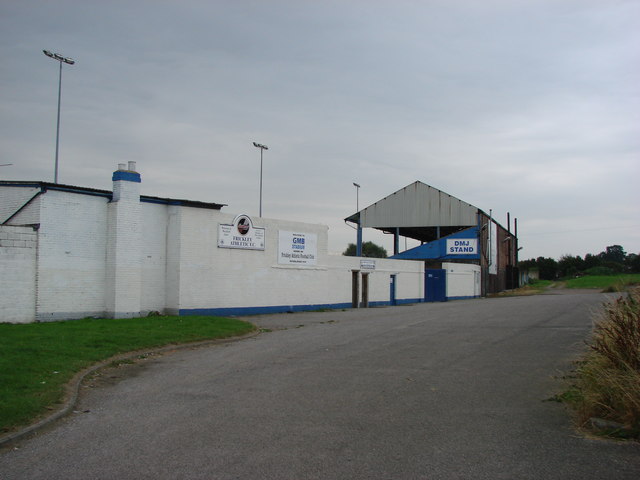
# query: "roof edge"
{"points": [[109, 194]]}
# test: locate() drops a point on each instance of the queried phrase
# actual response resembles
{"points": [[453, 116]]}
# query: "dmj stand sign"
{"points": [[462, 246]]}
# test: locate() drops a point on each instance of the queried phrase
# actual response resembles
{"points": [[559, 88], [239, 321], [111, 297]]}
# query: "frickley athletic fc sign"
{"points": [[241, 234]]}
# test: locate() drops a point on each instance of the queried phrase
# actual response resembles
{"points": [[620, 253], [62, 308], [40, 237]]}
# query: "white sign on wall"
{"points": [[462, 246], [367, 264], [297, 248], [241, 234]]}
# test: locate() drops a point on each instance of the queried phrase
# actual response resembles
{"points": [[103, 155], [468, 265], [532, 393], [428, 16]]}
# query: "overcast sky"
{"points": [[524, 106]]}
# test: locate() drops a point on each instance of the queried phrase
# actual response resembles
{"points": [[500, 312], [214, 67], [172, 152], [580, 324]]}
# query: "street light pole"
{"points": [[357, 196], [61, 60], [262, 149], [359, 233]]}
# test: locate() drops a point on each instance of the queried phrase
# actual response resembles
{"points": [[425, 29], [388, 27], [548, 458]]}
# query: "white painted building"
{"points": [[70, 252]]}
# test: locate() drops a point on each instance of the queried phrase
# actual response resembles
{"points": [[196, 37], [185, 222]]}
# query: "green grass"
{"points": [[532, 288], [38, 359], [613, 282], [540, 284]]}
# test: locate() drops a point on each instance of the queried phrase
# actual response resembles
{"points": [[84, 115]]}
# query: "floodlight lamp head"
{"points": [[60, 58], [356, 185]]}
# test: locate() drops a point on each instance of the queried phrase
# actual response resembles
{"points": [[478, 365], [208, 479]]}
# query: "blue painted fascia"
{"points": [[160, 201], [438, 248]]}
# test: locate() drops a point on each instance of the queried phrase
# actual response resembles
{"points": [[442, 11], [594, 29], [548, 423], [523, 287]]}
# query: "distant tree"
{"points": [[527, 264], [569, 266], [613, 253], [369, 249], [591, 261], [548, 268], [613, 260], [632, 263], [614, 267]]}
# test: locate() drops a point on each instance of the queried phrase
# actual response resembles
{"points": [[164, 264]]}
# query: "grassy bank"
{"points": [[605, 394], [38, 359], [532, 288], [611, 282]]}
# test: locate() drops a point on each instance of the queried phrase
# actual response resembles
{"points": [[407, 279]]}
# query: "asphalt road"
{"points": [[430, 391]]}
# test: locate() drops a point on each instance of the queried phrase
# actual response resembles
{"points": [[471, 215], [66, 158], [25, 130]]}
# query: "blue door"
{"points": [[392, 290], [435, 285]]}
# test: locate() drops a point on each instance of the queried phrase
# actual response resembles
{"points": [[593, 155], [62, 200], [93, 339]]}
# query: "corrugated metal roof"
{"points": [[417, 205]]}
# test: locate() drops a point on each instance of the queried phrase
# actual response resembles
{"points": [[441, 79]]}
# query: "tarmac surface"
{"points": [[454, 390]]}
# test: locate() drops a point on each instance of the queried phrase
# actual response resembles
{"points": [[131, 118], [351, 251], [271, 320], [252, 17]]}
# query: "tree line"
{"points": [[611, 261], [369, 249]]}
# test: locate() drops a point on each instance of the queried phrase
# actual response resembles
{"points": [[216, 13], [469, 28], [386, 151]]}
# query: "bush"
{"points": [[607, 386], [599, 271]]}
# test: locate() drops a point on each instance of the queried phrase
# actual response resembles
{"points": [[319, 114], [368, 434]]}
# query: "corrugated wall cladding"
{"points": [[419, 205]]}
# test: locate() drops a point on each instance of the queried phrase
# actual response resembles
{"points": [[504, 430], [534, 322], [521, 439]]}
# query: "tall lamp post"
{"points": [[262, 149], [61, 60], [359, 235], [357, 196]]}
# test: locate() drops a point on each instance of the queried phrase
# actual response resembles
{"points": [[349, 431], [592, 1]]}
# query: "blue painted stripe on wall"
{"points": [[463, 298], [242, 311], [245, 311]]}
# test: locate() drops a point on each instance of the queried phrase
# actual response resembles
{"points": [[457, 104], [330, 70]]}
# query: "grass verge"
{"points": [[605, 282], [533, 288], [38, 359], [605, 394]]}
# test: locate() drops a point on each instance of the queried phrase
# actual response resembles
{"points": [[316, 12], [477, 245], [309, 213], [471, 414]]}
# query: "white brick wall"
{"points": [[18, 246], [172, 282], [154, 257], [215, 278], [124, 251], [409, 278], [71, 270], [463, 280], [127, 257]]}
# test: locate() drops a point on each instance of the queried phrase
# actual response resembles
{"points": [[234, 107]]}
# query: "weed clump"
{"points": [[606, 392]]}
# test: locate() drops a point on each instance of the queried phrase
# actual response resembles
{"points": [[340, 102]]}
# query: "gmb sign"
{"points": [[297, 248], [462, 246]]}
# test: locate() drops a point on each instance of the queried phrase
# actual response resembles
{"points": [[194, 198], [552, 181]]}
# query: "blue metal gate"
{"points": [[435, 285]]}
